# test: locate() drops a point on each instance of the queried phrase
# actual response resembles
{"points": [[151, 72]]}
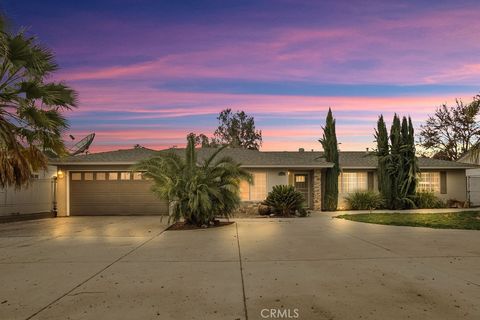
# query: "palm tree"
{"points": [[30, 107], [196, 192]]}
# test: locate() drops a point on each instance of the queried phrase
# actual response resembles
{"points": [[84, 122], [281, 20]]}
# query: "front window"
{"points": [[429, 182], [257, 191], [353, 181]]}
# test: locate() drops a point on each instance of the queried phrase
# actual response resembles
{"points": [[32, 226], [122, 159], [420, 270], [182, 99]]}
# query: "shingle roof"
{"points": [[253, 158], [362, 159]]}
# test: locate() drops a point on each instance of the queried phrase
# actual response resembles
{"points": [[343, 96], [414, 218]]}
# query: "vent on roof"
{"points": [[301, 150]]}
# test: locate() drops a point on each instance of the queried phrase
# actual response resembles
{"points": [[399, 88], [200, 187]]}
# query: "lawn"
{"points": [[469, 220]]}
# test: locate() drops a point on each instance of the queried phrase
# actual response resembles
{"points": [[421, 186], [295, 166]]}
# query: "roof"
{"points": [[254, 158], [362, 159]]}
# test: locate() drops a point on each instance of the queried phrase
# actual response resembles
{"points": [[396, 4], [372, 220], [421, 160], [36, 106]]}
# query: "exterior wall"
{"points": [[37, 197], [456, 186], [274, 178], [342, 204], [317, 189]]}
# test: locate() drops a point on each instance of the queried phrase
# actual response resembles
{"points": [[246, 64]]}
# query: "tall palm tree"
{"points": [[197, 192], [30, 107]]}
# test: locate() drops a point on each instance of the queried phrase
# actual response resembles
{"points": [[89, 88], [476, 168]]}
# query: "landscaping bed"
{"points": [[468, 220], [183, 226]]}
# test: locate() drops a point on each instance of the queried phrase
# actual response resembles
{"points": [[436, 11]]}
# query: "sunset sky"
{"points": [[150, 72]]}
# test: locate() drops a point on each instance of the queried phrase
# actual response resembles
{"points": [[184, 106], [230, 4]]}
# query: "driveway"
{"points": [[312, 268]]}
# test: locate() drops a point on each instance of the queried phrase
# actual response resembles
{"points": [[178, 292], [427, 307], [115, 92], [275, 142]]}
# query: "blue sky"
{"points": [[150, 72]]}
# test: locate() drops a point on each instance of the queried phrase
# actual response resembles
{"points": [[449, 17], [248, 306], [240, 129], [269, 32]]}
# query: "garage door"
{"points": [[113, 193], [473, 190]]}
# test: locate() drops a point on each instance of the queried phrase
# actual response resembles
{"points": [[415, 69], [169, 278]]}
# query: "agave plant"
{"points": [[30, 107], [285, 200], [197, 192]]}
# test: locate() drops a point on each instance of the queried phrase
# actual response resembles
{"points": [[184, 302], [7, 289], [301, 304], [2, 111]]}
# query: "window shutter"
{"points": [[370, 181], [443, 182]]}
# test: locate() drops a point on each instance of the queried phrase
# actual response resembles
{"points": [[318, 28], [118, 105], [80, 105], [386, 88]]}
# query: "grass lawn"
{"points": [[469, 220]]}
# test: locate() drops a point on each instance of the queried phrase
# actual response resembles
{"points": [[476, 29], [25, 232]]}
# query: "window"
{"points": [[429, 182], [88, 176], [300, 178], [100, 176], [76, 176], [258, 190], [353, 181], [244, 190], [137, 176], [124, 175], [112, 176]]}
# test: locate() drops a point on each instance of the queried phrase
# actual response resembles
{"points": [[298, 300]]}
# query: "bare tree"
{"points": [[452, 130]]}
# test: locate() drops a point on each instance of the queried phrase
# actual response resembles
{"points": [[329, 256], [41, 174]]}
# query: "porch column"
{"points": [[317, 189]]}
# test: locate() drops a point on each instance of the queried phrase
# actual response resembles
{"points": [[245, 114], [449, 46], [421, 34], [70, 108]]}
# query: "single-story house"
{"points": [[473, 178], [103, 183]]}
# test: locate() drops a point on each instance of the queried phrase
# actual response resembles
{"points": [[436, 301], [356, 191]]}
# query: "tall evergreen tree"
{"points": [[397, 163], [330, 149], [384, 182]]}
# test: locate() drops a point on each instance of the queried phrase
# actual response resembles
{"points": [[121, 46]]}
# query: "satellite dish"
{"points": [[82, 145]]}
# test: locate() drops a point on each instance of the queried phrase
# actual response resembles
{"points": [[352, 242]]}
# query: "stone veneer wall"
{"points": [[317, 189]]}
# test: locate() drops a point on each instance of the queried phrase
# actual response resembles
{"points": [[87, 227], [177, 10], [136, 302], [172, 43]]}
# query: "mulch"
{"points": [[178, 226]]}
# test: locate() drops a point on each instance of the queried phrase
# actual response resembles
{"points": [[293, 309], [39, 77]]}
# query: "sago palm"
{"points": [[30, 107], [197, 192]]}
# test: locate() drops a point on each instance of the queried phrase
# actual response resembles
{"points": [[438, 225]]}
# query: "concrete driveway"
{"points": [[311, 268]]}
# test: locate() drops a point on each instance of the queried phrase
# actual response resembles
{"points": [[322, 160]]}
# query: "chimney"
{"points": [[301, 150]]}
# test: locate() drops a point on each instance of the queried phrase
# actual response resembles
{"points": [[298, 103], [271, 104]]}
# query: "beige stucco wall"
{"points": [[456, 186], [342, 205]]}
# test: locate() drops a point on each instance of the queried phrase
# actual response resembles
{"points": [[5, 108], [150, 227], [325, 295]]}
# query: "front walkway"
{"points": [[318, 267]]}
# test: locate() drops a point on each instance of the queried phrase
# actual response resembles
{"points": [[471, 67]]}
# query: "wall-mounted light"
{"points": [[60, 174]]}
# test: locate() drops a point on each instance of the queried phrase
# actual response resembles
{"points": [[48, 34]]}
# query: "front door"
{"points": [[301, 184]]}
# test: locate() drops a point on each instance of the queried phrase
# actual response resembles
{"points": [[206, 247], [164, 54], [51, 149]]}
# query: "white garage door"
{"points": [[473, 190]]}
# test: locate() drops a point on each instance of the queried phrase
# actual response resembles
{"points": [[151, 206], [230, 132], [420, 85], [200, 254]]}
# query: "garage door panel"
{"points": [[119, 197]]}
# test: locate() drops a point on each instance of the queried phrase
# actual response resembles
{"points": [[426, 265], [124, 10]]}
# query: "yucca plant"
{"points": [[367, 200], [285, 200], [197, 192], [30, 107]]}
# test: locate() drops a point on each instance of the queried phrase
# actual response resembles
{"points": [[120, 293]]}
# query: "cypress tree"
{"points": [[384, 184], [395, 165], [330, 149]]}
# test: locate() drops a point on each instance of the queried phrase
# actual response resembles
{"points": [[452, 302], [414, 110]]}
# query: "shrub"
{"points": [[197, 191], [428, 200], [285, 200], [367, 200]]}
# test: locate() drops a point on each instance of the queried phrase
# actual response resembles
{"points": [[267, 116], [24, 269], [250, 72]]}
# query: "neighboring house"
{"points": [[103, 184], [473, 179]]}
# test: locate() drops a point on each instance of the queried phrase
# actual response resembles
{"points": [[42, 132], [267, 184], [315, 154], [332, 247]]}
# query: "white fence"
{"points": [[36, 198]]}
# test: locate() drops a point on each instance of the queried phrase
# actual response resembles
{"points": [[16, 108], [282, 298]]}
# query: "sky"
{"points": [[150, 72]]}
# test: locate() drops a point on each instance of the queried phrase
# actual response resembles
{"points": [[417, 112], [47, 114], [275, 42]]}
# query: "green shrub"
{"points": [[285, 200], [365, 200], [428, 200]]}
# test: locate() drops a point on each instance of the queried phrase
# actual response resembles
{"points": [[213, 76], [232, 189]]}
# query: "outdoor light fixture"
{"points": [[60, 174]]}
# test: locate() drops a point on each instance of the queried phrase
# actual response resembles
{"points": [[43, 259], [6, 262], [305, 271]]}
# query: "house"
{"points": [[473, 178], [103, 183]]}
